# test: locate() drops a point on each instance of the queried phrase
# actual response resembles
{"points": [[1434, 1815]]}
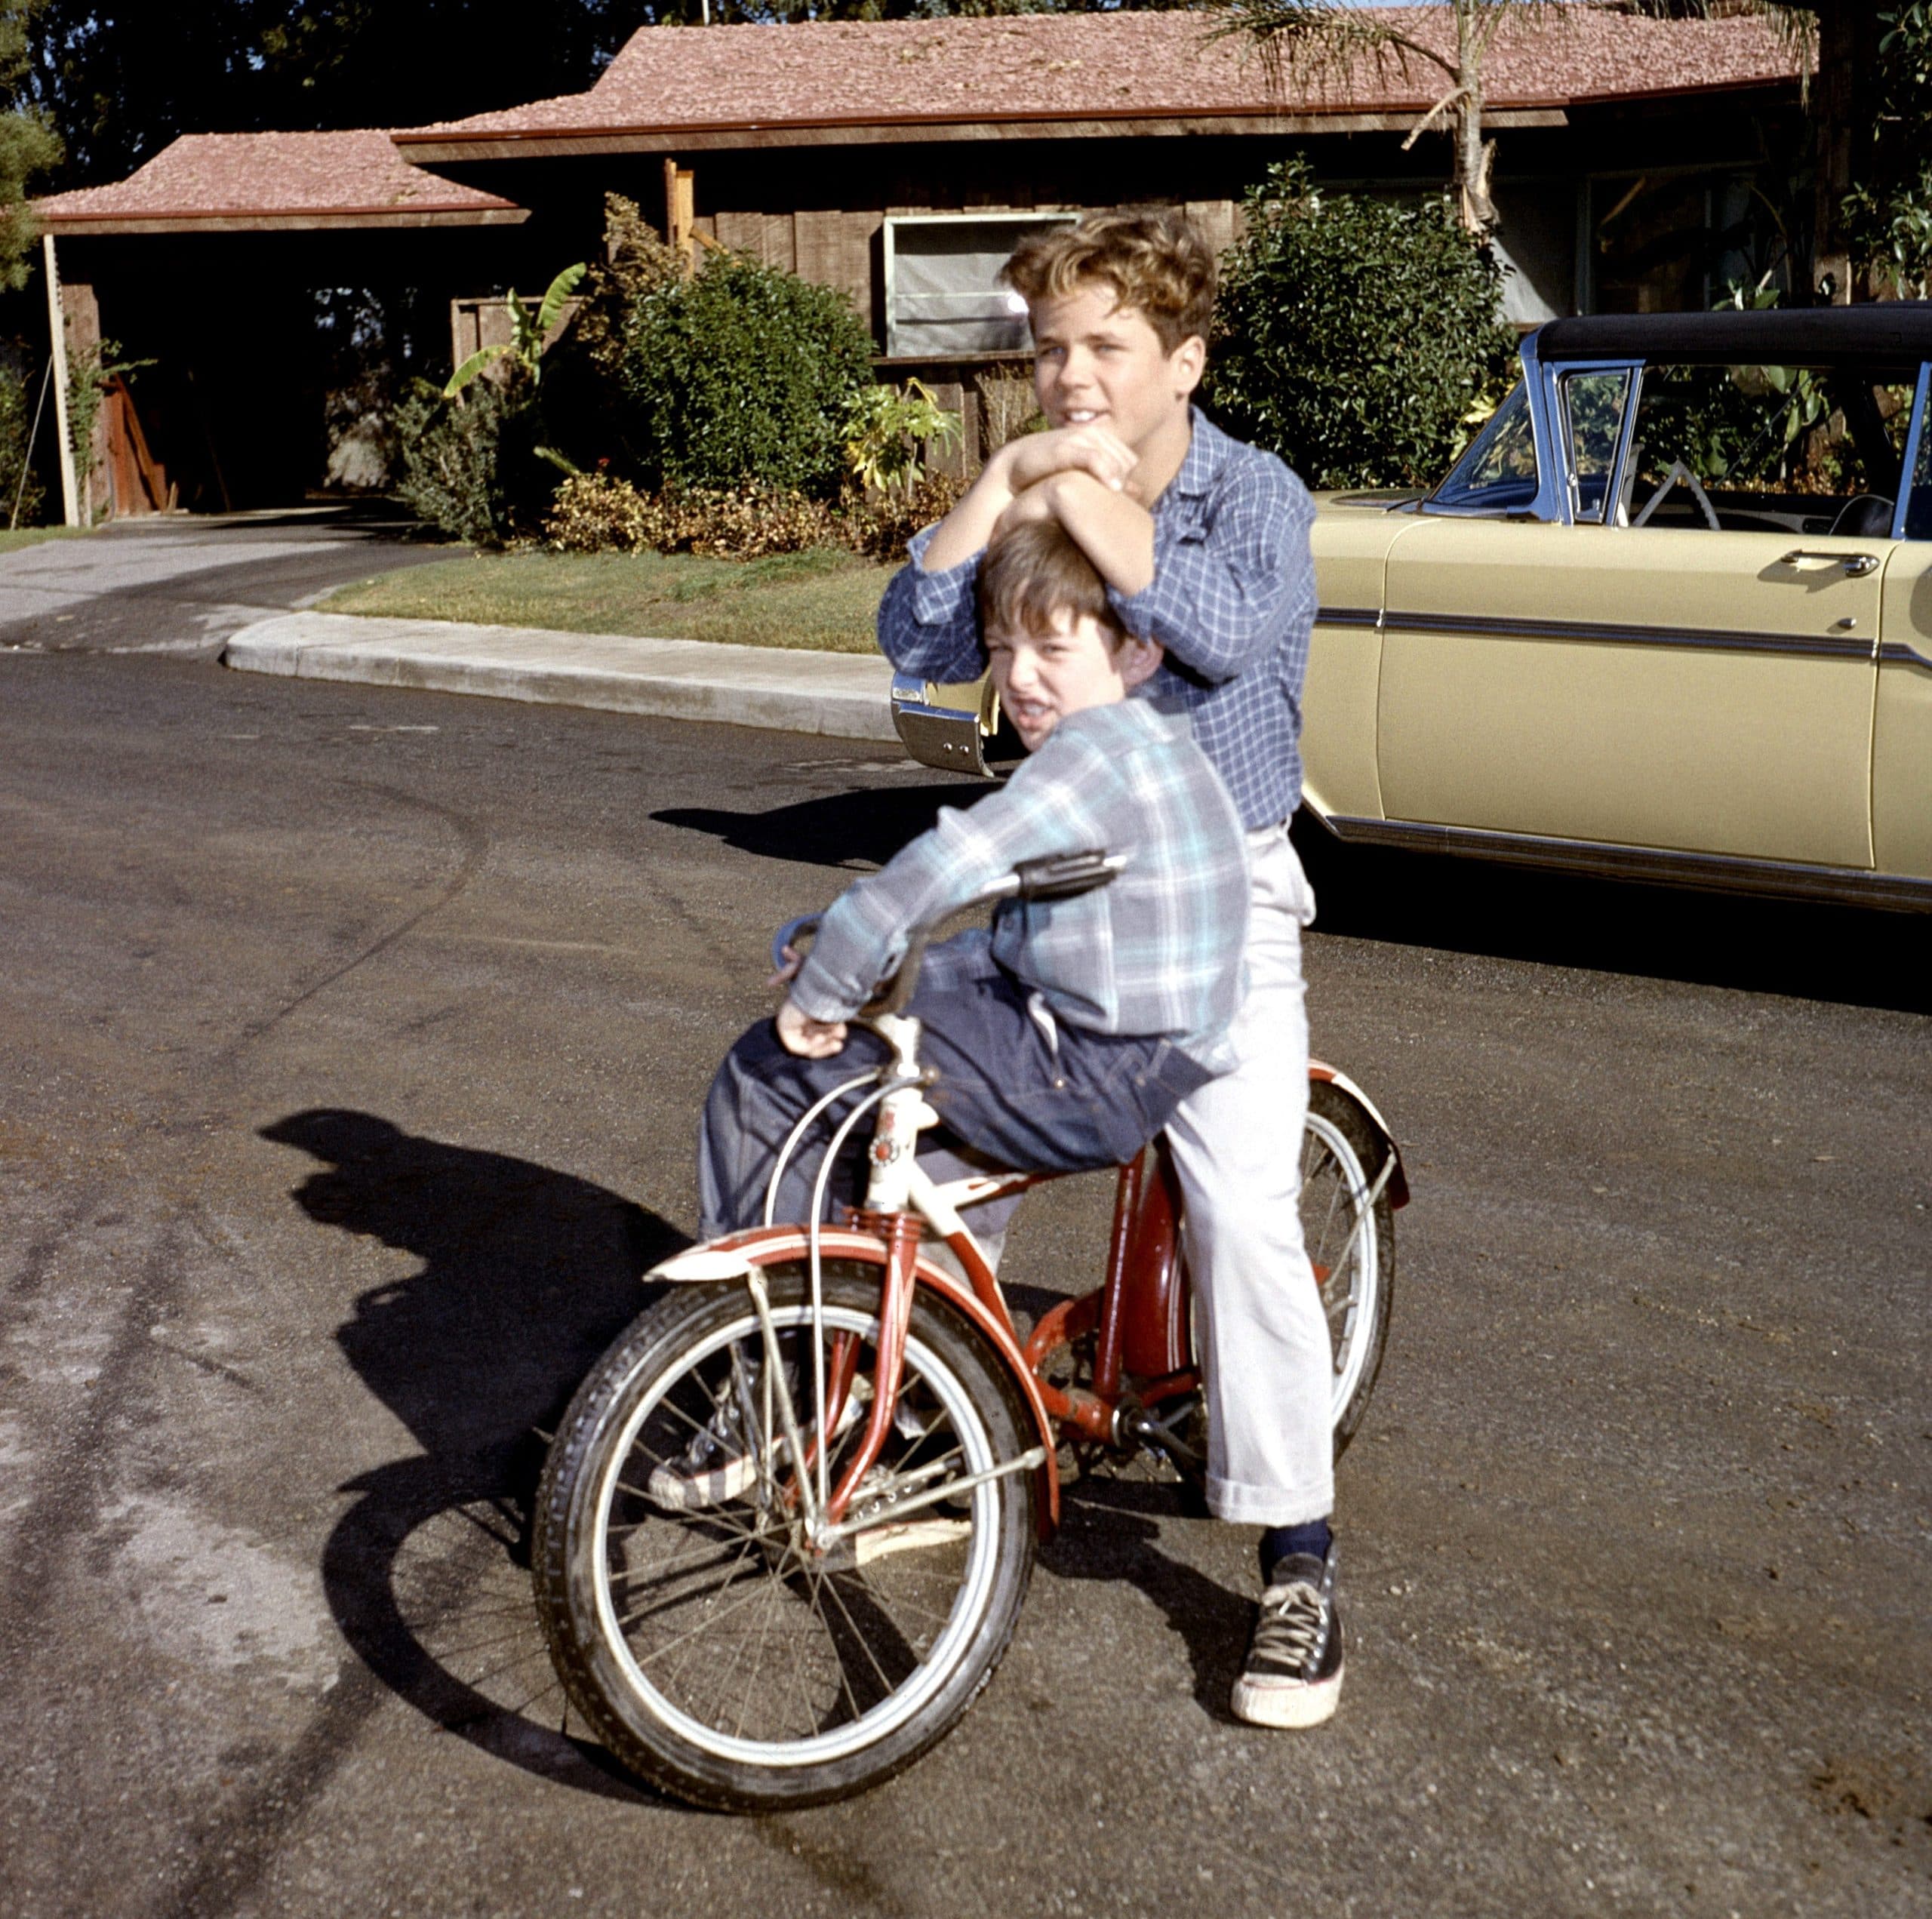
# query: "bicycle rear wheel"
{"points": [[712, 1652], [1351, 1243]]}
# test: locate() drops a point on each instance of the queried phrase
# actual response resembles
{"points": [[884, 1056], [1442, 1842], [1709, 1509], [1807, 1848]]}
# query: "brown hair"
{"points": [[1036, 572], [1153, 258]]}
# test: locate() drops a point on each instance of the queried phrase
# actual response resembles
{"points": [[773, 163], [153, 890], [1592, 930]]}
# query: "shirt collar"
{"points": [[1207, 448]]}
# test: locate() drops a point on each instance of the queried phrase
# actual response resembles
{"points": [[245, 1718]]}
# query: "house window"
{"points": [[943, 296]]}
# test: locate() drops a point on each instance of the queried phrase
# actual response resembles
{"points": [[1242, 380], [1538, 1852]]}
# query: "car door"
{"points": [[1662, 686]]}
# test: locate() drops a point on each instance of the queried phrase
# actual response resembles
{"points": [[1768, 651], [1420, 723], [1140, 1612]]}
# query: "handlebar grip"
{"points": [[789, 934], [1067, 875]]}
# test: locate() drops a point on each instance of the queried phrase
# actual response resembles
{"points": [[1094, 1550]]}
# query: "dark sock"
{"points": [[1278, 1541]]}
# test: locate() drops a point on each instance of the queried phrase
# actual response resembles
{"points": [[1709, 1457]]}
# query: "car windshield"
{"points": [[1498, 474]]}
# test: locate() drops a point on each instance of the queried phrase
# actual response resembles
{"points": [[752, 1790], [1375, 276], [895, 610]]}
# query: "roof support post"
{"points": [[57, 327], [680, 211]]}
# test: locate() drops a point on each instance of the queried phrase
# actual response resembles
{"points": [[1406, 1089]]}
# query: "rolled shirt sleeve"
{"points": [[929, 623]]}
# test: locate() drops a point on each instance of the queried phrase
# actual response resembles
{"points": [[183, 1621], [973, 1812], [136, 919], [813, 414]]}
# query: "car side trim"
{"points": [[1709, 871], [1595, 633], [1905, 655], [1347, 617]]}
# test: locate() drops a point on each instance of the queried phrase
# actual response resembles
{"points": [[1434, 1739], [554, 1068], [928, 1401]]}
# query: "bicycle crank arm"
{"points": [[828, 1536]]}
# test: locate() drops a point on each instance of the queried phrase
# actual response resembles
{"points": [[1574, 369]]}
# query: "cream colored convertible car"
{"points": [[1669, 617]]}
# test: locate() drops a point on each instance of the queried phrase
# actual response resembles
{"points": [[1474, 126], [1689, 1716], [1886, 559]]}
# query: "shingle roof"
{"points": [[269, 180], [1093, 66]]}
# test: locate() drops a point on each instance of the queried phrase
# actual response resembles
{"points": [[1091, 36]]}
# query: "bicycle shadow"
{"points": [[528, 1275], [1108, 1531], [862, 828]]}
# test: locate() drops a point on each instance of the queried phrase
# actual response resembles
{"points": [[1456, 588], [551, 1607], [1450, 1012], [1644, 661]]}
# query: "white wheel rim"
{"points": [[892, 1712], [1351, 1341]]}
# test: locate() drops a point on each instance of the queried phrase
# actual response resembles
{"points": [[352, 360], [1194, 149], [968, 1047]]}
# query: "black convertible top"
{"points": [[1894, 331]]}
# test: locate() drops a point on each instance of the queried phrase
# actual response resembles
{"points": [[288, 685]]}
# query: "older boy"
{"points": [[1064, 1038], [1203, 542]]}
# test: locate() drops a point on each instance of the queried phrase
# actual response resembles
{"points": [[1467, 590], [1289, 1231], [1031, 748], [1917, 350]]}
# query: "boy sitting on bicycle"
{"points": [[1062, 1039]]}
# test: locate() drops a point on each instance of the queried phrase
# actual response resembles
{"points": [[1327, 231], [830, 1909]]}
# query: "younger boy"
{"points": [[1063, 1038], [1203, 543]]}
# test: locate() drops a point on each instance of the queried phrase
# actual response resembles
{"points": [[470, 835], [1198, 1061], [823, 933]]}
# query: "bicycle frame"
{"points": [[1139, 1317]]}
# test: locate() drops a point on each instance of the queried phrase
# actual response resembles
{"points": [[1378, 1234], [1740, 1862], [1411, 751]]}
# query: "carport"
{"points": [[247, 282]]}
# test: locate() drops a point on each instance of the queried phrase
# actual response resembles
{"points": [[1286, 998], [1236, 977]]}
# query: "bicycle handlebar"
{"points": [[1057, 876]]}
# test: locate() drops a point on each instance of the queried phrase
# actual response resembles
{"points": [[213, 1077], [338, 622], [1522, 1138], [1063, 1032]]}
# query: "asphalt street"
{"points": [[350, 1045]]}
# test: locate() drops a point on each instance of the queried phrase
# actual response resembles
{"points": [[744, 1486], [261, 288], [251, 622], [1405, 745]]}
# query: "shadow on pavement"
{"points": [[528, 1275], [840, 829], [1858, 956], [1108, 1531]]}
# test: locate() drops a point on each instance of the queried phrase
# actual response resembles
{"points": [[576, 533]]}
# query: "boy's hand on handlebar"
{"points": [[810, 1039]]}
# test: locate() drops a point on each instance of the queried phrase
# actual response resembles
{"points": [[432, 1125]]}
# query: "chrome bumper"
{"points": [[948, 737]]}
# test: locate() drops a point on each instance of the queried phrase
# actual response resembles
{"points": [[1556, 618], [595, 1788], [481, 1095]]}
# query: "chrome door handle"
{"points": [[1856, 564]]}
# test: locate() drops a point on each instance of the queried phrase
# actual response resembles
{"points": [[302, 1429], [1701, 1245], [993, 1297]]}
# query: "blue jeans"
{"points": [[1012, 1090]]}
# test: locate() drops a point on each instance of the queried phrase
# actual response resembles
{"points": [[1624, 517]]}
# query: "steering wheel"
{"points": [[1678, 471]]}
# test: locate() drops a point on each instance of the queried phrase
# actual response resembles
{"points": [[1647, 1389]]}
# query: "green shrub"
{"points": [[1354, 336], [470, 466], [742, 374], [16, 406]]}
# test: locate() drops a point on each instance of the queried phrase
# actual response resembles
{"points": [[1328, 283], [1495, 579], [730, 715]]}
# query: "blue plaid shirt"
{"points": [[1156, 953], [1232, 600]]}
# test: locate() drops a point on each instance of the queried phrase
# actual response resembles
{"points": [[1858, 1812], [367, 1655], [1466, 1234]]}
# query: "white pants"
{"points": [[1237, 1145]]}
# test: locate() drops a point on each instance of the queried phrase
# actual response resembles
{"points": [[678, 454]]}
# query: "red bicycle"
{"points": [[788, 1523]]}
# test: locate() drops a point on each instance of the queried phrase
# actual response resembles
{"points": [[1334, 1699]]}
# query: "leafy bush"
{"points": [[471, 466], [1888, 214], [1355, 336], [742, 374], [17, 408], [595, 513], [879, 525]]}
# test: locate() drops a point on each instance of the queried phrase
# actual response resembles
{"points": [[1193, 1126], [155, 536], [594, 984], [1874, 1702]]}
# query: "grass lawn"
{"points": [[822, 599], [10, 542]]}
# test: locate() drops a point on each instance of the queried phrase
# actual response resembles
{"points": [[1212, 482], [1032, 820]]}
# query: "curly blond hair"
{"points": [[1154, 258]]}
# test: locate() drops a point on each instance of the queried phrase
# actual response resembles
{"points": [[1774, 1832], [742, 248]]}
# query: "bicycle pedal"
{"points": [[878, 1543]]}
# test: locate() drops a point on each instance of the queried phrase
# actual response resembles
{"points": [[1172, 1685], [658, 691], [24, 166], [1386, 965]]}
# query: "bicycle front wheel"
{"points": [[712, 1650]]}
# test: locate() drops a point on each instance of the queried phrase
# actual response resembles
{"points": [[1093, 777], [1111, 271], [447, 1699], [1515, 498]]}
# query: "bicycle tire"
{"points": [[845, 1729], [1342, 1152]]}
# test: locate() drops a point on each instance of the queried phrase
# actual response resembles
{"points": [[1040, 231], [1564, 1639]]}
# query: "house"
{"points": [[1641, 165]]}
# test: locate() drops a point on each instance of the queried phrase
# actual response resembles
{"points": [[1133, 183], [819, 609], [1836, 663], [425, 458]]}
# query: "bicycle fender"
{"points": [[737, 1255], [1398, 1183]]}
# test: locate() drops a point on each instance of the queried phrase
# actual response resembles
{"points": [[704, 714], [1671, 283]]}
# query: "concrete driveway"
{"points": [[182, 584]]}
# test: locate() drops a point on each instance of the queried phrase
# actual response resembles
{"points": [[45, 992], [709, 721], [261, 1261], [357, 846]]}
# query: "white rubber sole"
{"points": [[1285, 1705]]}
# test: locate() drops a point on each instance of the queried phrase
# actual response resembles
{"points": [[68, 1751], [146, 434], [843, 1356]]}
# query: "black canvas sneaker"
{"points": [[1293, 1676]]}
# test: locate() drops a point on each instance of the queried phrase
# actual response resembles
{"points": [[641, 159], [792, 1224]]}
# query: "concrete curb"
{"points": [[843, 695]]}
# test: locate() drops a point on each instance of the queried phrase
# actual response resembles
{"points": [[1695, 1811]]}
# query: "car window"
{"points": [[1498, 472], [1757, 448], [1593, 403], [1918, 508]]}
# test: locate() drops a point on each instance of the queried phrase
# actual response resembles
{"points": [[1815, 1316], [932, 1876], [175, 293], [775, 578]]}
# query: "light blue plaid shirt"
{"points": [[1157, 953], [1232, 600]]}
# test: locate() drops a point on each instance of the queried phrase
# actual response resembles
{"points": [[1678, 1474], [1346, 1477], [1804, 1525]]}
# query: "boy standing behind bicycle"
{"points": [[1203, 544]]}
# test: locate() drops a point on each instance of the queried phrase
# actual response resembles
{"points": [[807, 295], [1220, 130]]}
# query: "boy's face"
{"points": [[1096, 362], [1043, 677]]}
